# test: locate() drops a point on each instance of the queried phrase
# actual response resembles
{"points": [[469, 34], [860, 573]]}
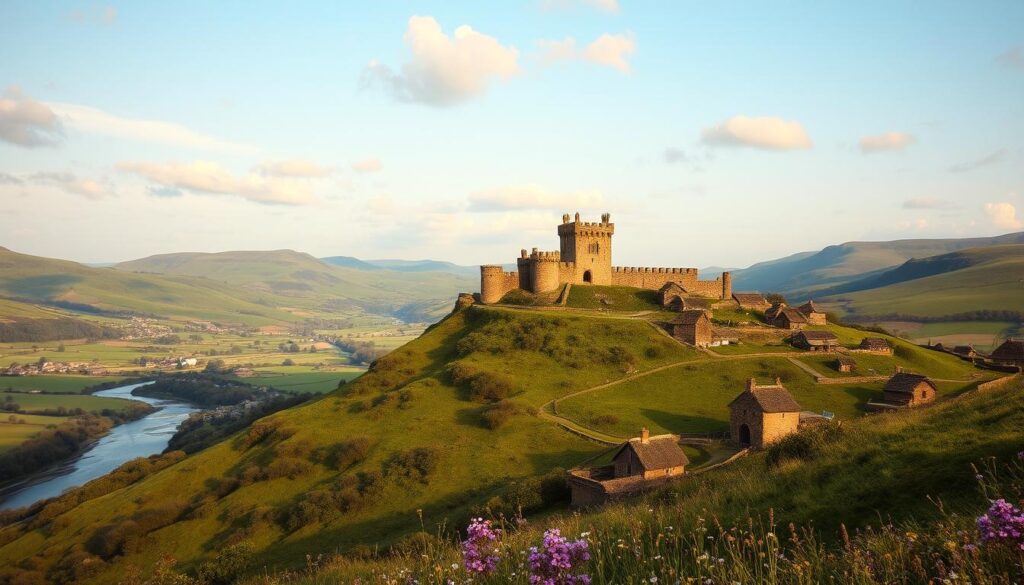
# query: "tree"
{"points": [[60, 348], [288, 362], [42, 360], [775, 298]]}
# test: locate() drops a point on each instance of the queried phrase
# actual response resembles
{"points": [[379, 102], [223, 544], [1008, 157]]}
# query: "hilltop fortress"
{"points": [[585, 257]]}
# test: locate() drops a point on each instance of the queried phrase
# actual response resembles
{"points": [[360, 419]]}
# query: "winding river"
{"points": [[139, 438]]}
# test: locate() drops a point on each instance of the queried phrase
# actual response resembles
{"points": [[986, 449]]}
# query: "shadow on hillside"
{"points": [[863, 395], [682, 423], [41, 287]]}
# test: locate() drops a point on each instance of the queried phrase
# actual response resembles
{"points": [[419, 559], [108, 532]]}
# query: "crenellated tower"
{"points": [[588, 245]]}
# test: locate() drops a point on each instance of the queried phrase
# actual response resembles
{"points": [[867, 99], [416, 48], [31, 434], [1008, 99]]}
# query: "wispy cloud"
{"points": [[764, 132], [27, 122], [96, 121], [297, 168], [1003, 215], [369, 165], [204, 177], [672, 155], [444, 70], [984, 161], [610, 6], [532, 196], [607, 50], [71, 183], [887, 141], [927, 203], [103, 15]]}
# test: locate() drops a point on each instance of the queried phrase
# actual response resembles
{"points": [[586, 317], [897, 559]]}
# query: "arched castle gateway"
{"points": [[585, 257]]}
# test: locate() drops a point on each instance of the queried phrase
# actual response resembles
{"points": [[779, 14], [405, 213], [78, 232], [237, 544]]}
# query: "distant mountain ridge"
{"points": [[806, 274]]}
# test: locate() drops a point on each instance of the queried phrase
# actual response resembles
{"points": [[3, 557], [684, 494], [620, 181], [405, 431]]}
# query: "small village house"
{"points": [[816, 340], [784, 317], [875, 344], [1010, 353], [763, 414], [906, 389], [845, 364], [693, 327], [751, 300], [639, 464], [813, 314], [965, 351]]}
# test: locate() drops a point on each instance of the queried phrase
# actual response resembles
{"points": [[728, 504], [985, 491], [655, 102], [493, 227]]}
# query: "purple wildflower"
{"points": [[558, 560], [1002, 523], [479, 553], [1020, 455]]}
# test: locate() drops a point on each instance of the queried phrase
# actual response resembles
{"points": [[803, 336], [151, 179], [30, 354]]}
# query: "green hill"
{"points": [[966, 282], [314, 284], [805, 274], [468, 415]]}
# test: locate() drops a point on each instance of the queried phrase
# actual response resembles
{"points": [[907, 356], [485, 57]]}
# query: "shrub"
{"points": [[804, 445], [496, 415], [490, 387], [289, 467], [345, 454], [413, 464]]}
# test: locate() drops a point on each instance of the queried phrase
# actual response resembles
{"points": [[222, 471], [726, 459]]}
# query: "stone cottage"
{"points": [[783, 317], [906, 389], [875, 344], [639, 464], [845, 364], [693, 327], [763, 414], [816, 340], [813, 314], [751, 300], [1010, 353]]}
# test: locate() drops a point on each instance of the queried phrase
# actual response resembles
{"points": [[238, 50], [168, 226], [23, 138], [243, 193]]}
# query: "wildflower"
{"points": [[1020, 455], [479, 537], [1002, 523], [557, 561]]}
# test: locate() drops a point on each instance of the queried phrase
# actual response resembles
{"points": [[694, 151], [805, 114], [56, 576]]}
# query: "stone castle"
{"points": [[585, 257]]}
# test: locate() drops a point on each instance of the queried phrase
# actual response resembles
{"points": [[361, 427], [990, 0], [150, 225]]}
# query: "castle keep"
{"points": [[585, 257]]}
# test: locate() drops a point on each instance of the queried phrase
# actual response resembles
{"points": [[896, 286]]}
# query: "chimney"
{"points": [[778, 381], [645, 435], [751, 383]]}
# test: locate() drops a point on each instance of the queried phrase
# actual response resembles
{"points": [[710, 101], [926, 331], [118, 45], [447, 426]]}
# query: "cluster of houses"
{"points": [[179, 362], [39, 368], [1009, 354], [143, 328], [760, 415]]}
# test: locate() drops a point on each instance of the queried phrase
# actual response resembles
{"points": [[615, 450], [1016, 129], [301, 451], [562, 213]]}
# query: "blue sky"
{"points": [[715, 133]]}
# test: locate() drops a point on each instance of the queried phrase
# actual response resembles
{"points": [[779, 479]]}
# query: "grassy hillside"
{"points": [[804, 274], [314, 284], [990, 278], [458, 419]]}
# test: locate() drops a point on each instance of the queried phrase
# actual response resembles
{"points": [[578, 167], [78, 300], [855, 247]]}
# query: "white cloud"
{"points": [[884, 142], [87, 119], [211, 178], [369, 165], [1013, 58], [984, 161], [610, 6], [758, 132], [927, 203], [298, 168], [71, 183], [533, 196], [1003, 215], [673, 155], [444, 70], [608, 50], [27, 122]]}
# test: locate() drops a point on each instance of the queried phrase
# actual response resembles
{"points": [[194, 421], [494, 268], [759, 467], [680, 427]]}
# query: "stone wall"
{"points": [[496, 283], [688, 278], [777, 425]]}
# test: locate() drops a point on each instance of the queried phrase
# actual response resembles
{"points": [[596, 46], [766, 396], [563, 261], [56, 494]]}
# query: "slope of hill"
{"points": [[313, 284], [72, 285], [969, 281], [802, 275], [457, 420], [349, 262]]}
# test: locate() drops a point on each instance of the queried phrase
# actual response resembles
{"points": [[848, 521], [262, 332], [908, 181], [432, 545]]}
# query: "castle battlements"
{"points": [[585, 257]]}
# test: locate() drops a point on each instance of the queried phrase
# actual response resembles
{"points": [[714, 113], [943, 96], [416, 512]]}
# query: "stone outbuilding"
{"points": [[751, 300], [693, 327], [671, 295], [784, 317], [906, 389], [1010, 353], [816, 340], [762, 415], [965, 351], [813, 314], [639, 464], [875, 344], [845, 364]]}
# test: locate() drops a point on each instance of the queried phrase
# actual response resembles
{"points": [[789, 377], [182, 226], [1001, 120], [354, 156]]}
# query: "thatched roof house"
{"points": [[650, 456], [1010, 353], [878, 344], [816, 340], [906, 389], [751, 300], [693, 327], [784, 317], [763, 414], [845, 364], [813, 314]]}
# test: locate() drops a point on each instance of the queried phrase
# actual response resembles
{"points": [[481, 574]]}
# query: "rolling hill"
{"points": [[943, 286], [806, 274], [460, 419], [316, 285]]}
